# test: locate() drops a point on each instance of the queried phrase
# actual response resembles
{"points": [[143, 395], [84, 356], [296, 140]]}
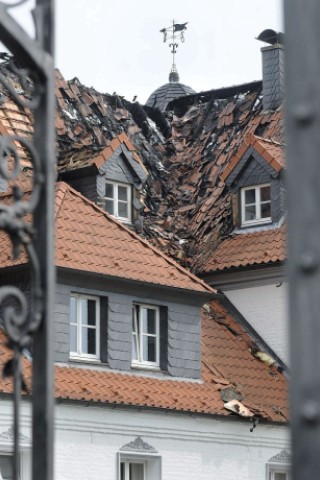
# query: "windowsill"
{"points": [[256, 223], [85, 360], [145, 366]]}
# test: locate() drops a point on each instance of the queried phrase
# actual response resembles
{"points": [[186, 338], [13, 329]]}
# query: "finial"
{"points": [[170, 33]]}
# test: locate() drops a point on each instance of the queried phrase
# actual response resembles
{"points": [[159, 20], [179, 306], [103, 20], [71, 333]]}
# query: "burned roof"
{"points": [[187, 152]]}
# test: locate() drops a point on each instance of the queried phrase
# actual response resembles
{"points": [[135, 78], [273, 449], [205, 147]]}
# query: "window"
{"points": [[117, 200], [278, 467], [145, 335], [256, 205], [138, 460], [6, 467], [278, 473], [84, 327], [132, 470]]}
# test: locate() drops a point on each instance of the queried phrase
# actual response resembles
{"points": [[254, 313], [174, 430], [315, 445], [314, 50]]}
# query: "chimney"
{"points": [[272, 68]]}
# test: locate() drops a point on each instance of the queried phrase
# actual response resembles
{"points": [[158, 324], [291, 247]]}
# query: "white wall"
{"points": [[88, 440], [265, 308]]}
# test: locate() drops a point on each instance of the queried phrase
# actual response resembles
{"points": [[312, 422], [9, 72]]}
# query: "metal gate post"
{"points": [[25, 327], [302, 20]]}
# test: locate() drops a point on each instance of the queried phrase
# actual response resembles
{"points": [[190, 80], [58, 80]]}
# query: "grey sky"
{"points": [[116, 45]]}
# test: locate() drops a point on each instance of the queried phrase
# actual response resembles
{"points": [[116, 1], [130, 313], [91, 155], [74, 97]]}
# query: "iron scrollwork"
{"points": [[31, 66]]}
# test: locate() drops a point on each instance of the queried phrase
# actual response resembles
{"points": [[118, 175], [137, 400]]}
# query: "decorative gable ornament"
{"points": [[281, 457], [138, 446], [8, 436]]}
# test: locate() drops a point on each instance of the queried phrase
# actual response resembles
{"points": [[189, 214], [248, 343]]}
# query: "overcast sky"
{"points": [[116, 45]]}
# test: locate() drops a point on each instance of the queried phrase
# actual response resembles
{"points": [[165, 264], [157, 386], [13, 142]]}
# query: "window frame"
{"points": [[79, 355], [273, 468], [258, 220], [115, 200], [24, 460], [139, 343], [128, 461], [152, 462]]}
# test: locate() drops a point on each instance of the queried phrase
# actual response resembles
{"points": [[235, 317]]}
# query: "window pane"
{"points": [[73, 310], [88, 340], [280, 476], [6, 467], [250, 213], [88, 311], [123, 210], [91, 312], [109, 190], [122, 477], [149, 349], [265, 210], [122, 193], [73, 338], [265, 193], [250, 196], [149, 321], [108, 205], [136, 471]]}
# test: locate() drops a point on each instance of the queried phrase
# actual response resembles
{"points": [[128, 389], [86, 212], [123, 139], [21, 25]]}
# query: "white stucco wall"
{"points": [[88, 440], [265, 308]]}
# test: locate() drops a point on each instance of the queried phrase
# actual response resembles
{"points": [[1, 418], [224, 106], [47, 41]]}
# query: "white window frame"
{"points": [[79, 355], [138, 335], [272, 469], [24, 461], [258, 220], [127, 462], [152, 464], [116, 200]]}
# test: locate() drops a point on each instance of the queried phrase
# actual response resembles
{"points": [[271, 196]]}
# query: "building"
{"points": [[148, 383]]}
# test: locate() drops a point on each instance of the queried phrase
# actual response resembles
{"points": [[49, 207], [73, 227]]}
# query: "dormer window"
{"points": [[117, 200], [255, 205]]}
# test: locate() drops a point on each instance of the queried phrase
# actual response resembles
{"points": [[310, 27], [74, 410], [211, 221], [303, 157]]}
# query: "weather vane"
{"points": [[174, 33]]}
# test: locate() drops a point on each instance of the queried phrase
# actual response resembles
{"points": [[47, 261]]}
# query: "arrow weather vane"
{"points": [[174, 33]]}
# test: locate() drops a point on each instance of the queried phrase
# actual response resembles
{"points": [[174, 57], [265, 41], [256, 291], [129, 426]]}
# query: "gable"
{"points": [[252, 169]]}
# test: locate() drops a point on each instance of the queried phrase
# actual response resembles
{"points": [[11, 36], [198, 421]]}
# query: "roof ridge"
{"points": [[64, 187], [158, 252]]}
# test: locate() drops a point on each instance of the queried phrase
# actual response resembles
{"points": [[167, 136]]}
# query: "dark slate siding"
{"points": [[86, 186], [184, 341], [273, 76], [180, 330], [61, 323], [119, 331]]}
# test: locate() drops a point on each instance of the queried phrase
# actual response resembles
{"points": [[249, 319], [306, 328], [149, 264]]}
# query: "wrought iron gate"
{"points": [[33, 66]]}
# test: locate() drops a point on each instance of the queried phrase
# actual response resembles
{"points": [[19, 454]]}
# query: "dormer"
{"points": [[112, 177], [254, 176]]}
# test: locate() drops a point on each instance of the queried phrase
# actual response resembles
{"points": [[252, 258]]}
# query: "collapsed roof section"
{"points": [[187, 152]]}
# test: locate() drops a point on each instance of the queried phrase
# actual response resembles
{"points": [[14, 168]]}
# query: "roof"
{"points": [[88, 239], [84, 157], [229, 369], [166, 93], [187, 153], [249, 249]]}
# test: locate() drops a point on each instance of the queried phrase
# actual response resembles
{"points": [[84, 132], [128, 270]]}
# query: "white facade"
{"points": [[89, 439], [265, 308]]}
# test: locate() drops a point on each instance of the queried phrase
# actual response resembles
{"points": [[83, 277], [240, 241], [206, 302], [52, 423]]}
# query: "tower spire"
{"points": [[174, 34]]}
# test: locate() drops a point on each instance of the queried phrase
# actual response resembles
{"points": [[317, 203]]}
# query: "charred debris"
{"points": [[187, 208]]}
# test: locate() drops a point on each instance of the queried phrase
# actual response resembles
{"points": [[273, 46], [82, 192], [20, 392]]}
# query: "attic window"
{"points": [[117, 200], [255, 205]]}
